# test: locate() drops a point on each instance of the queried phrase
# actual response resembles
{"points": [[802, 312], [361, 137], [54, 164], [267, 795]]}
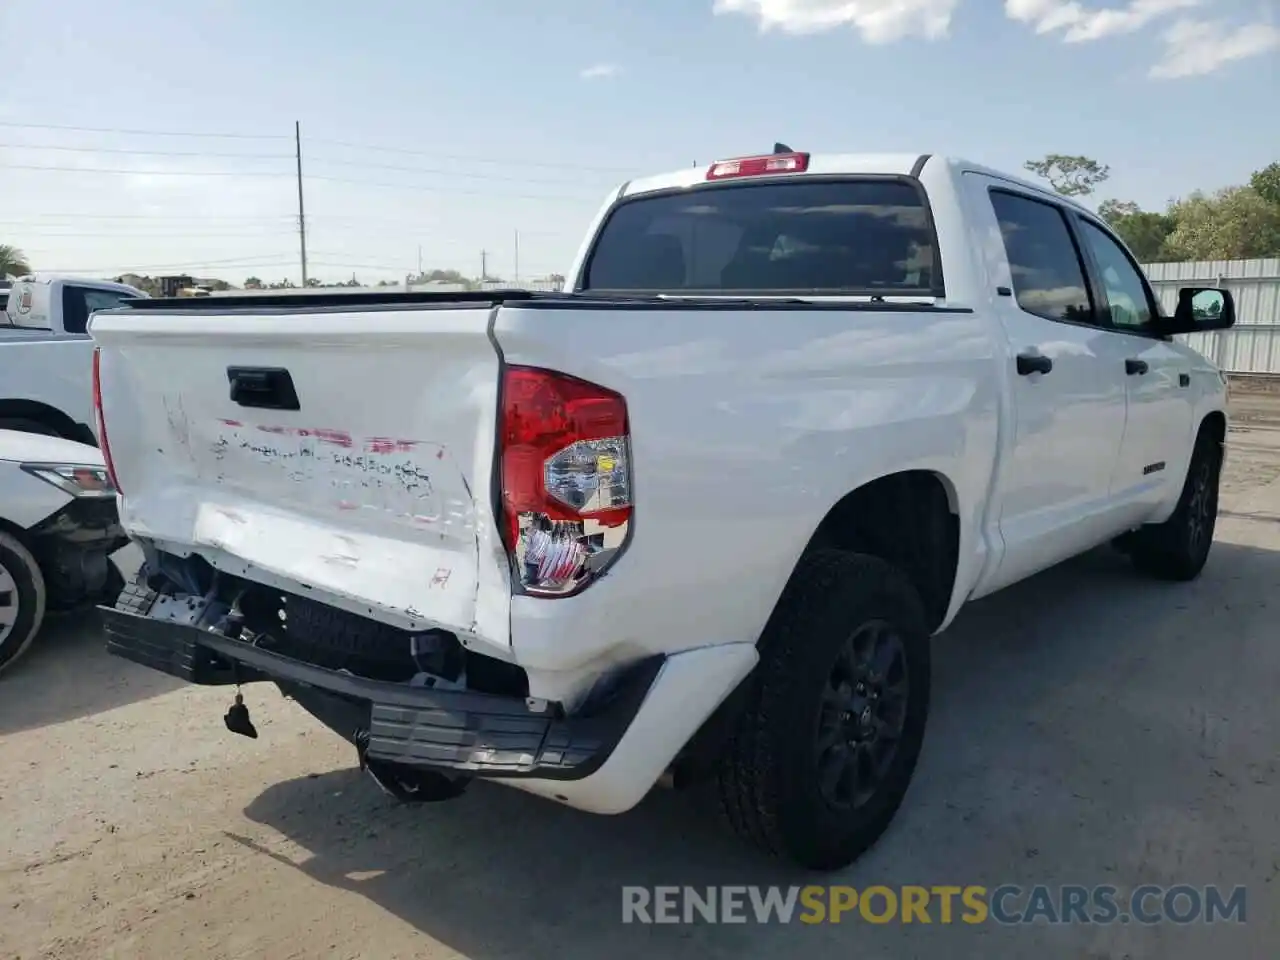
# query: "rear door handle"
{"points": [[1029, 363], [1184, 379], [1132, 366], [268, 388]]}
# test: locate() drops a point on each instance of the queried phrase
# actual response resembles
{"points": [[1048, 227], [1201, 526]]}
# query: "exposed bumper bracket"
{"points": [[478, 734]]}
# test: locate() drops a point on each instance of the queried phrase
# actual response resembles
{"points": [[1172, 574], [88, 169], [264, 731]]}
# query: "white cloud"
{"points": [[878, 21], [598, 71], [1080, 24], [1196, 47]]}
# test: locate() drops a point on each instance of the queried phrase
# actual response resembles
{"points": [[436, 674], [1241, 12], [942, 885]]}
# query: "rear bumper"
{"points": [[604, 762], [463, 732]]}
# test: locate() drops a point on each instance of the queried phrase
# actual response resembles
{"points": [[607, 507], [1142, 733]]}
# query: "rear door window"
{"points": [[1048, 273], [847, 237]]}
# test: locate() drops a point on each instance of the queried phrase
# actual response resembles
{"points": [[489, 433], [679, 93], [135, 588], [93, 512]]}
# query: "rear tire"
{"points": [[1179, 548], [824, 750], [22, 600]]}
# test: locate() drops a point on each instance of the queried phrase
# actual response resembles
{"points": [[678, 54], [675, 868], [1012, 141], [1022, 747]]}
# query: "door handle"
{"points": [[1184, 379], [269, 388], [1132, 366], [1029, 363]]}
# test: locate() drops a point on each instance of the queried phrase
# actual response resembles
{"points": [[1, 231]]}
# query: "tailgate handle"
{"points": [[269, 388]]}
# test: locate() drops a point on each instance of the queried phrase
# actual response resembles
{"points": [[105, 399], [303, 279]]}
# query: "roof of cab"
{"points": [[899, 164], [892, 164]]}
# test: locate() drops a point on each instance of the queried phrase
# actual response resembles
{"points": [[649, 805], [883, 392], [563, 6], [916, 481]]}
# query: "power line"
{"points": [[514, 161], [160, 220], [287, 222], [150, 173], [518, 161], [453, 190], [264, 173], [142, 133], [144, 153], [124, 266], [191, 217], [445, 173], [187, 235], [282, 156]]}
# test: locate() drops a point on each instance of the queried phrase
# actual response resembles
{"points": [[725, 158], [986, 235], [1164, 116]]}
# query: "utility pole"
{"points": [[419, 259], [517, 277], [484, 265], [302, 217]]}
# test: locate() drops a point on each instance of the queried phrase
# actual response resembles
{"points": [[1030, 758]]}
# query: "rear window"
{"points": [[869, 236]]}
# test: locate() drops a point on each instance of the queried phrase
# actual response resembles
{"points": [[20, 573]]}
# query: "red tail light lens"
{"points": [[566, 479], [99, 420]]}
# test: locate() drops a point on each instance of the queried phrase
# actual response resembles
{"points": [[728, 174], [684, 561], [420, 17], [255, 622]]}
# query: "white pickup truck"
{"points": [[46, 354], [697, 517]]}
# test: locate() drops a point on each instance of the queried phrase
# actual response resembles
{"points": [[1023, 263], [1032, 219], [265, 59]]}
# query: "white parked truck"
{"points": [[46, 353], [697, 517]]}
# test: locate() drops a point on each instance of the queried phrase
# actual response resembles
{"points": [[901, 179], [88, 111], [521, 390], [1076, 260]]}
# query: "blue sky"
{"points": [[506, 116]]}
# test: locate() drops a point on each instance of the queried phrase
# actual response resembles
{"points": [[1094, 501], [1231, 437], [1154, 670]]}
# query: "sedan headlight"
{"points": [[74, 479]]}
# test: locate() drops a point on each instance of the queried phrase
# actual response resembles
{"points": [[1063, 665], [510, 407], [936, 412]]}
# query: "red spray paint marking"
{"points": [[389, 445], [441, 577], [339, 438]]}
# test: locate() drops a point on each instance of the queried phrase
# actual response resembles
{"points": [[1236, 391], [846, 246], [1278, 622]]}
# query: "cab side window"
{"points": [[1048, 274], [75, 313], [78, 303], [1127, 297]]}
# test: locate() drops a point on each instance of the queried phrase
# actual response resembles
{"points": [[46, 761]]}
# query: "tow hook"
{"points": [[237, 719], [361, 740]]}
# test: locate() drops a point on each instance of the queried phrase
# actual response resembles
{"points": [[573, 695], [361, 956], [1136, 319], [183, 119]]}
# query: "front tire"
{"points": [[22, 600], [1179, 548], [827, 743]]}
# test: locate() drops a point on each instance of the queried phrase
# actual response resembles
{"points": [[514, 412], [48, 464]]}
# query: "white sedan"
{"points": [[58, 529]]}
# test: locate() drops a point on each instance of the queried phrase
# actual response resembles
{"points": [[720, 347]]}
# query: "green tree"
{"points": [[13, 262], [1236, 223], [252, 283], [1145, 232], [1071, 176], [1266, 182], [441, 276]]}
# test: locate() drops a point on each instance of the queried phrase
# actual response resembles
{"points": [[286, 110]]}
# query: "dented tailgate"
{"points": [[347, 454]]}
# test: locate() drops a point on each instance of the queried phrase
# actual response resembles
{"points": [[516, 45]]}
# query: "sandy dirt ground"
{"points": [[1089, 727]]}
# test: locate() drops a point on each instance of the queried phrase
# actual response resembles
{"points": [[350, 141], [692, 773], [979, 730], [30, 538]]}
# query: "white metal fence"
{"points": [[1253, 344]]}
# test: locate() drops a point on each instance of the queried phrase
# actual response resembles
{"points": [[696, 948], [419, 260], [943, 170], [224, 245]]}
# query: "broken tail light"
{"points": [[100, 420], [566, 479]]}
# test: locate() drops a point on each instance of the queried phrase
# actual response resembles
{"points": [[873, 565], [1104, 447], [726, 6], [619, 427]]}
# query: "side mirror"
{"points": [[1201, 308]]}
